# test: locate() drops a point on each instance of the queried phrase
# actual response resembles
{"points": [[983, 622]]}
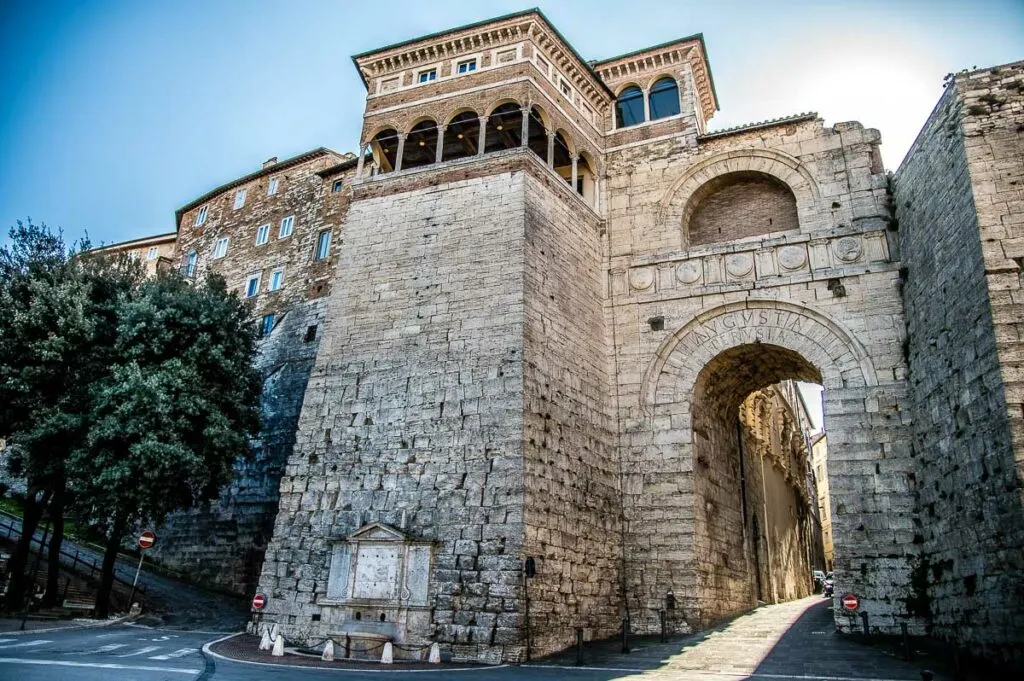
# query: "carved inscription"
{"points": [[766, 318], [376, 573]]}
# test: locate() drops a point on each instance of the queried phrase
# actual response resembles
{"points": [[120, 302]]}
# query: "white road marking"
{"points": [[713, 676], [7, 640], [98, 665], [181, 652], [107, 648], [29, 644], [141, 651]]}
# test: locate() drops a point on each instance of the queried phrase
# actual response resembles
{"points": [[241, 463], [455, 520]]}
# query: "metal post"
{"points": [[579, 646], [864, 619], [906, 640], [348, 646], [664, 626], [625, 634], [142, 554], [526, 598]]}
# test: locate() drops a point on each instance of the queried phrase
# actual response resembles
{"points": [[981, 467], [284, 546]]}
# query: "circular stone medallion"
{"points": [[739, 264], [848, 248], [689, 271], [792, 257], [641, 278]]}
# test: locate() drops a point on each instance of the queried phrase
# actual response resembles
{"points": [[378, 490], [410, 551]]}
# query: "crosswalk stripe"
{"points": [[181, 652], [28, 644], [107, 648], [141, 651]]}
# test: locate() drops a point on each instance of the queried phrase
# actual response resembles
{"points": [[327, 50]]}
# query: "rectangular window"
{"points": [[262, 234], [267, 326], [239, 199], [466, 66], [252, 287], [564, 87], [310, 334], [153, 252], [337, 186], [201, 216], [271, 186], [427, 76], [276, 280], [323, 245], [220, 249], [286, 227], [191, 263]]}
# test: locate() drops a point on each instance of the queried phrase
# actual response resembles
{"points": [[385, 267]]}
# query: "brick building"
{"points": [[545, 313]]}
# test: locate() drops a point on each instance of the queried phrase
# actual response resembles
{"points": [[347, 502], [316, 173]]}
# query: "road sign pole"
{"points": [[136, 580]]}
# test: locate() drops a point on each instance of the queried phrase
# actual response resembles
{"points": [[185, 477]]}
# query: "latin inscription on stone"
{"points": [[337, 582], [376, 573]]}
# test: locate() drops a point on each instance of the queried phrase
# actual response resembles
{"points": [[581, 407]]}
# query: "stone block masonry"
{"points": [[959, 202]]}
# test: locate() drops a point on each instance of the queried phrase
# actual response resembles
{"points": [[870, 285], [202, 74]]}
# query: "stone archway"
{"points": [[690, 481]]}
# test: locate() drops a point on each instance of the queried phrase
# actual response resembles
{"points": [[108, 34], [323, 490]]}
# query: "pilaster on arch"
{"points": [[823, 342], [785, 168]]}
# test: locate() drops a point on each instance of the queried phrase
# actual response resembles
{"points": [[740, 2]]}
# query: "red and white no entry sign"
{"points": [[850, 602], [258, 601], [146, 540]]}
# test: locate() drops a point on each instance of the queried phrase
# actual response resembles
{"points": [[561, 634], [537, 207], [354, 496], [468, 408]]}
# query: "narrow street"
{"points": [[787, 642]]}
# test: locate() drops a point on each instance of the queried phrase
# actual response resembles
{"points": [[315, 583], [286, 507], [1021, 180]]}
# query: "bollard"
{"points": [[278, 650], [435, 654], [864, 619], [625, 634], [328, 654], [348, 647], [579, 646], [664, 626], [388, 656], [274, 631], [265, 642], [906, 641]]}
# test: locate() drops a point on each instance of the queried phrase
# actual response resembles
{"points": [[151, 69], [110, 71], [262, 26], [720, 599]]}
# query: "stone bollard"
{"points": [[278, 650], [274, 631], [388, 656], [135, 610], [328, 655], [265, 642], [435, 654]]}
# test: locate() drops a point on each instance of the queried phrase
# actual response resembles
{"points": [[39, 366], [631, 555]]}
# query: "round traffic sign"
{"points": [[146, 540], [850, 602], [258, 601]]}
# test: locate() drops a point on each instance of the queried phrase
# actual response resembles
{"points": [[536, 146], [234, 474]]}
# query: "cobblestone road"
{"points": [[794, 640]]}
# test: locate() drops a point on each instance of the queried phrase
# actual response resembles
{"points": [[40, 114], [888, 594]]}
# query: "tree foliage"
{"points": [[135, 395]]}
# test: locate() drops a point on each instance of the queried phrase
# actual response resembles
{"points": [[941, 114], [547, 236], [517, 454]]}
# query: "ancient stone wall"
{"points": [[959, 204], [415, 412], [571, 498]]}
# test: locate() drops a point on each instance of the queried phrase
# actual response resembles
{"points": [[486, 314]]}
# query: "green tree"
{"points": [[59, 312], [177, 408]]}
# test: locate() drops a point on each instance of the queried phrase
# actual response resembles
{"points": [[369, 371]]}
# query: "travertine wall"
{"points": [[959, 203]]}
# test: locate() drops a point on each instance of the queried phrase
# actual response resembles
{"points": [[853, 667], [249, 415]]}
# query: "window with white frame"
{"points": [[220, 249], [267, 326], [191, 263], [286, 227], [153, 252], [565, 87], [200, 216], [272, 186], [323, 245], [239, 199], [466, 66], [276, 279], [262, 234], [252, 286], [427, 76]]}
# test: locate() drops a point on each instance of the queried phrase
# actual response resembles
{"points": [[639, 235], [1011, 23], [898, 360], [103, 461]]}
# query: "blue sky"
{"points": [[116, 113]]}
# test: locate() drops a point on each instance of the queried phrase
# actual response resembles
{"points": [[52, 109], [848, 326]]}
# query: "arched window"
{"points": [[420, 145], [385, 149], [461, 136], [504, 128], [664, 98], [629, 107]]}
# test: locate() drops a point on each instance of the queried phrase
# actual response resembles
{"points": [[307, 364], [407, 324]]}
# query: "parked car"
{"points": [[828, 586], [819, 579]]}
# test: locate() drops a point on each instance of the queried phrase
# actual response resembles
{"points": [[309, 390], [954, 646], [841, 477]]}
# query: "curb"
{"points": [[75, 627], [209, 652]]}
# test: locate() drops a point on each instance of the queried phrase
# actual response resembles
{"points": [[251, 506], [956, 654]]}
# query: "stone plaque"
{"points": [[739, 264], [689, 272], [792, 257], [337, 581], [848, 248], [641, 278], [418, 575], [376, 573]]}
